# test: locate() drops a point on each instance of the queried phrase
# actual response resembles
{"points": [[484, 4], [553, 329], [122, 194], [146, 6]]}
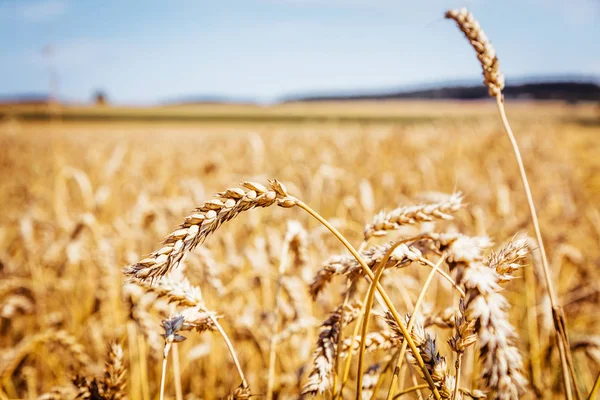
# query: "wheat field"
{"points": [[82, 201]]}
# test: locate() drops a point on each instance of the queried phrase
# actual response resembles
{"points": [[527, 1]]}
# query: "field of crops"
{"points": [[271, 289]]}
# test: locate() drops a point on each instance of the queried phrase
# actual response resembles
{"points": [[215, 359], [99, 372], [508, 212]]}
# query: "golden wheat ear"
{"points": [[492, 77]]}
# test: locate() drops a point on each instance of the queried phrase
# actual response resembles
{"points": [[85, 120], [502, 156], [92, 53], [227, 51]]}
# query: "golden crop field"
{"points": [[273, 287]]}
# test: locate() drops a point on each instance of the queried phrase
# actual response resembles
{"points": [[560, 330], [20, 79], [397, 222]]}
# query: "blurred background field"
{"points": [[82, 199], [117, 120], [355, 111]]}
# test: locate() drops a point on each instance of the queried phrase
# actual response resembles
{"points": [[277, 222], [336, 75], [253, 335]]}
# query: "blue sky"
{"points": [[142, 52]]}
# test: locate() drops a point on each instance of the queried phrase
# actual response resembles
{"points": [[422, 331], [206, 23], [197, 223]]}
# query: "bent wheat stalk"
{"points": [[494, 80], [369, 304], [275, 328], [384, 296], [412, 321]]}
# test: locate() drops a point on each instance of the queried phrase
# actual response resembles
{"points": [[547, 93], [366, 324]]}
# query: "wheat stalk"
{"points": [[494, 80]]}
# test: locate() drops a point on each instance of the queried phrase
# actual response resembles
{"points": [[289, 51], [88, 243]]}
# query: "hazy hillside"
{"points": [[567, 91]]}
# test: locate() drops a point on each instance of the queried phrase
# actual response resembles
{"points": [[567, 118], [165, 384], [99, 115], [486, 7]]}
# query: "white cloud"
{"points": [[33, 11]]}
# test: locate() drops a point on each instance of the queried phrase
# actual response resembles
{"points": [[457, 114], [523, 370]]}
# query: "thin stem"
{"points": [[231, 351], [162, 379], [273, 342], [380, 267], [176, 372], [533, 329], [444, 275], [413, 317], [394, 382], [388, 365], [558, 315], [386, 300], [396, 379], [348, 363], [410, 390], [457, 379], [595, 389], [340, 342]]}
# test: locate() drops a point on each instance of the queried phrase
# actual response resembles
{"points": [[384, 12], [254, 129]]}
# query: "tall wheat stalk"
{"points": [[494, 80]]}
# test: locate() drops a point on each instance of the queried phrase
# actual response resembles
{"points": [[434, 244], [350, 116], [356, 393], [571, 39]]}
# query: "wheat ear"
{"points": [[324, 355], [348, 266], [494, 80], [409, 215], [486, 308], [283, 264], [113, 384], [204, 221], [10, 360], [436, 365]]}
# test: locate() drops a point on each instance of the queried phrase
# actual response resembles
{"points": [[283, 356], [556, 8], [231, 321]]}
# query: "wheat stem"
{"points": [[494, 80], [273, 342], [380, 267], [162, 378], [557, 313], [413, 317], [231, 350], [409, 390], [341, 341], [595, 389], [348, 363], [176, 372], [388, 365], [382, 292], [458, 367]]}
